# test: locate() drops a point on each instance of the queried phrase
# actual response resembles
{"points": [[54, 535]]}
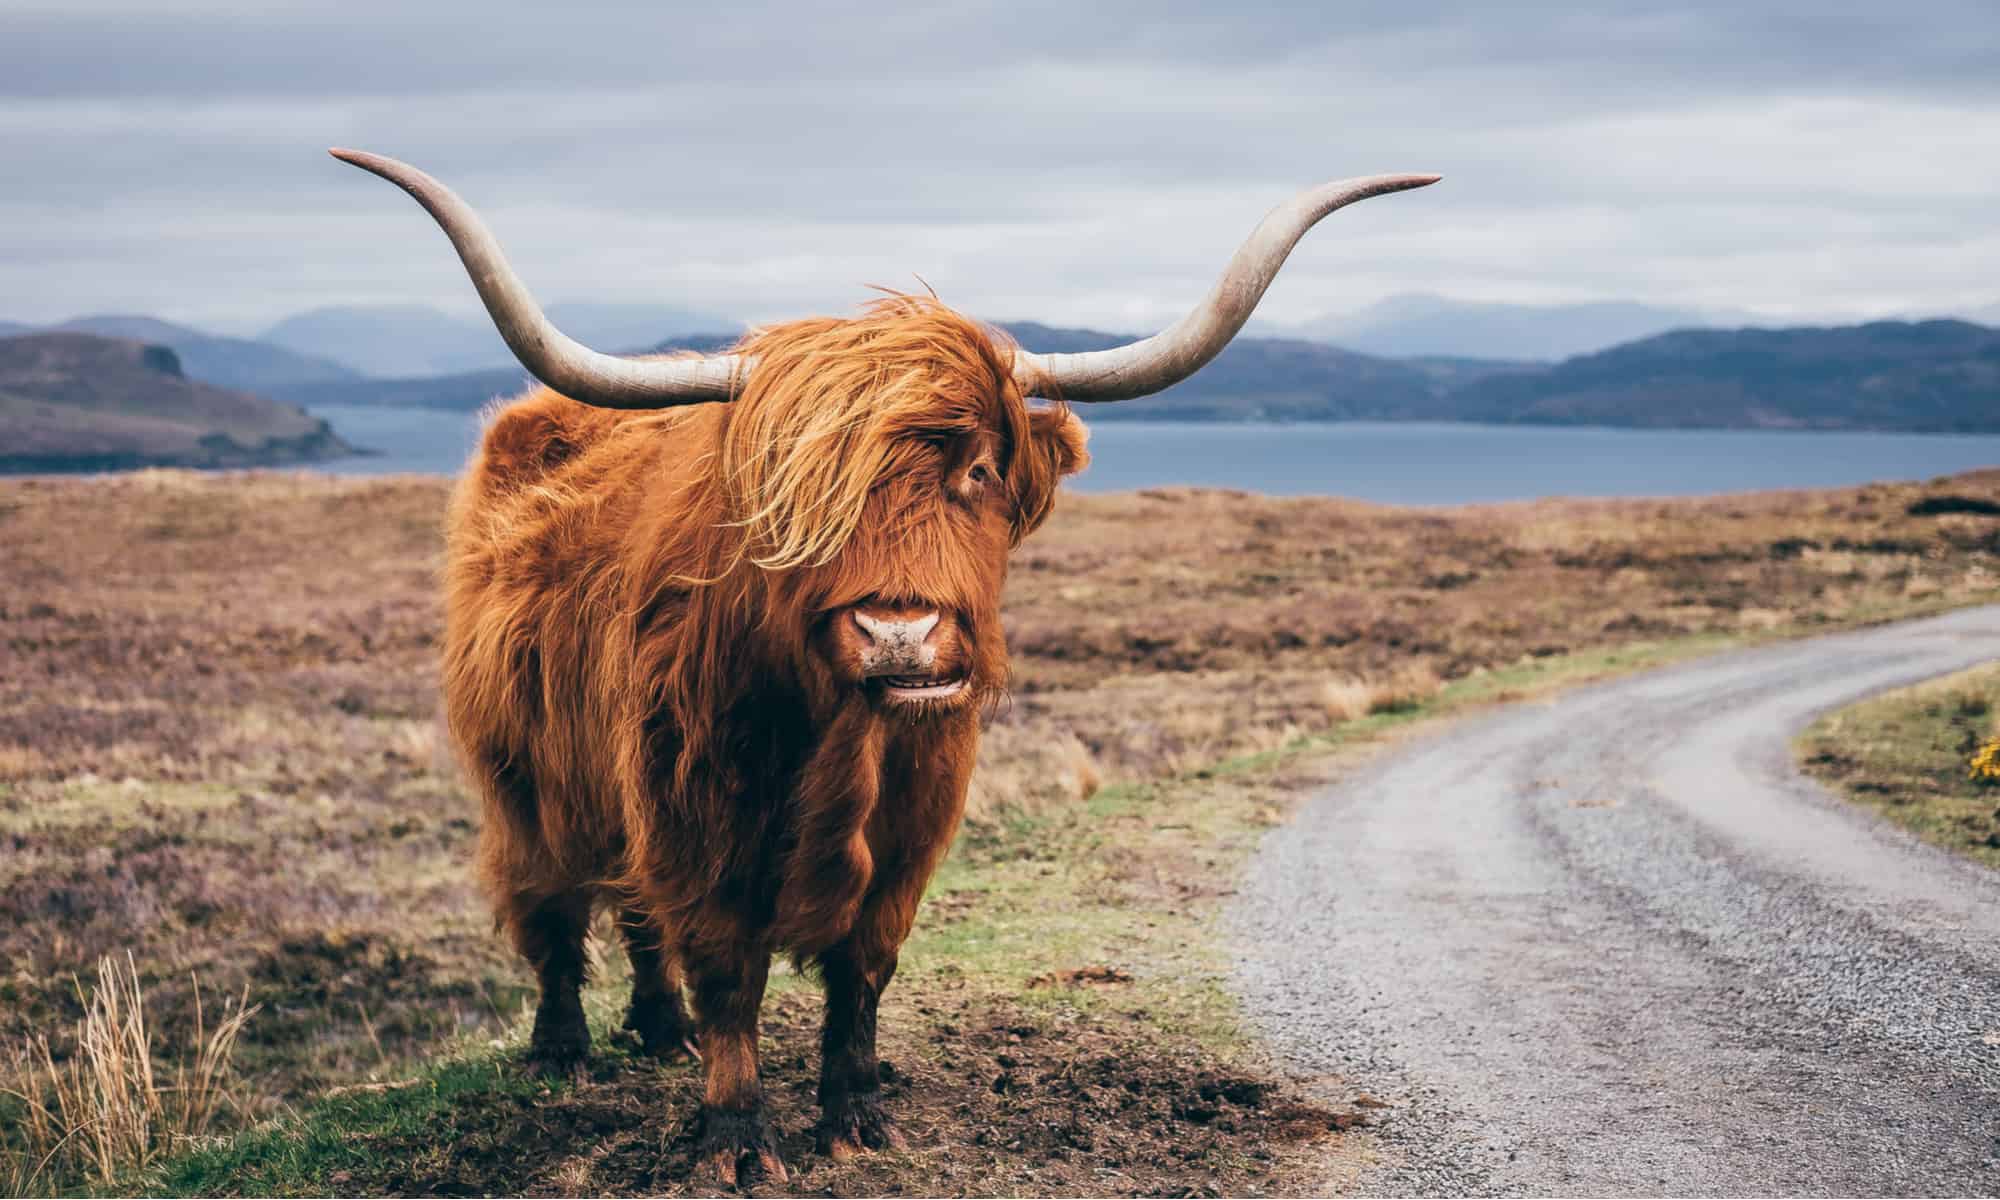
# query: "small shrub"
{"points": [[1931, 506], [1986, 764]]}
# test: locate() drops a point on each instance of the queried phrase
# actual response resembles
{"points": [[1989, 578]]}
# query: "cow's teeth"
{"points": [[911, 687]]}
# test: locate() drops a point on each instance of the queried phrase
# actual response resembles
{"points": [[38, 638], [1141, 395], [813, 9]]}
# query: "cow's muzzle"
{"points": [[908, 652]]}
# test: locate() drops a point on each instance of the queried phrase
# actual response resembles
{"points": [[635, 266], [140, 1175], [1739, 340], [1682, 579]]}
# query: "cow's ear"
{"points": [[1062, 436], [1055, 448]]}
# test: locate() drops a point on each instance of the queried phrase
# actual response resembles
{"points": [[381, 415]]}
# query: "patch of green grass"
{"points": [[304, 1157], [113, 804], [1906, 755], [305, 1154]]}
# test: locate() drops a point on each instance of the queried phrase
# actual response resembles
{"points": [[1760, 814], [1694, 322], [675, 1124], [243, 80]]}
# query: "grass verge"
{"points": [[1909, 756]]}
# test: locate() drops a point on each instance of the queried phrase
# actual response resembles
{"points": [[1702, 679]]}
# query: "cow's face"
{"points": [[908, 615], [883, 470]]}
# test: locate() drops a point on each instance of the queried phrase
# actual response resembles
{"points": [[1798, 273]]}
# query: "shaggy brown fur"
{"points": [[644, 669]]}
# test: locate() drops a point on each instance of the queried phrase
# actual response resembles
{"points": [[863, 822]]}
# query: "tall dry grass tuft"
{"points": [[1030, 771], [1347, 698], [1407, 687], [103, 1110]]}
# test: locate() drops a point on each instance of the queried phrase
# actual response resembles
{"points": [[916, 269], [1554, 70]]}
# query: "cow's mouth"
{"points": [[912, 689]]}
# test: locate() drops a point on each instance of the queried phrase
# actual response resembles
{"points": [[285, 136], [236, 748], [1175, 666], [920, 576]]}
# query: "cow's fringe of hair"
{"points": [[824, 410]]}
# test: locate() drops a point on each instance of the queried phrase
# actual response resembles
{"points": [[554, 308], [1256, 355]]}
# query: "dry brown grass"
{"points": [[1406, 688], [104, 1109], [1402, 689], [1029, 770], [219, 747], [1347, 699]]}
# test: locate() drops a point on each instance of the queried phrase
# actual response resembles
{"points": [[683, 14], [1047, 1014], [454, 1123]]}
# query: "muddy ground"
{"points": [[1019, 1105]]}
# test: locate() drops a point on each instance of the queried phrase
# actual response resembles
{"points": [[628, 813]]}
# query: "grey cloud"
{"points": [[349, 48], [1079, 162]]}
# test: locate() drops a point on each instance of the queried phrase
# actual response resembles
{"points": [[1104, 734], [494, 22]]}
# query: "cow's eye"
{"points": [[980, 474]]}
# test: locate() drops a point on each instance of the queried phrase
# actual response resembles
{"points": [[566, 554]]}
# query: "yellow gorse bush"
{"points": [[1986, 763]]}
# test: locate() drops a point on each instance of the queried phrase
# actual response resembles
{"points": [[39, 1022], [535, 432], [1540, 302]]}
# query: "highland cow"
{"points": [[720, 669]]}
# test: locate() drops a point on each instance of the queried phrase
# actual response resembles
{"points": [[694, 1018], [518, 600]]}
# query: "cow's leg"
{"points": [[549, 933], [655, 1015], [850, 1080], [737, 1140]]}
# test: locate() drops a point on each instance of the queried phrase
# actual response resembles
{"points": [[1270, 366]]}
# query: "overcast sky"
{"points": [[1081, 163]]}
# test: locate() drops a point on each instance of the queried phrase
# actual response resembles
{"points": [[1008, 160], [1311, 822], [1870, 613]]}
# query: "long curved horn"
{"points": [[563, 363], [1158, 362]]}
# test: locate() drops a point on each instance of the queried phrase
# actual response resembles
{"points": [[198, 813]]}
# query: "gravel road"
{"points": [[1616, 944]]}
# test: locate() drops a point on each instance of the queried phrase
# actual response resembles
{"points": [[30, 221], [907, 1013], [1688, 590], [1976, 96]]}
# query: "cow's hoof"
{"points": [[557, 1062], [559, 1048], [855, 1125], [658, 1028], [739, 1149]]}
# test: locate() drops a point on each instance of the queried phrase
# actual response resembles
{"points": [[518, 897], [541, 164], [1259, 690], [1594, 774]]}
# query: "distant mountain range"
{"points": [[228, 362], [1425, 325], [79, 402], [1254, 379], [1277, 379], [1927, 375], [1930, 375], [1939, 376], [465, 391], [223, 361], [331, 345], [389, 341]]}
